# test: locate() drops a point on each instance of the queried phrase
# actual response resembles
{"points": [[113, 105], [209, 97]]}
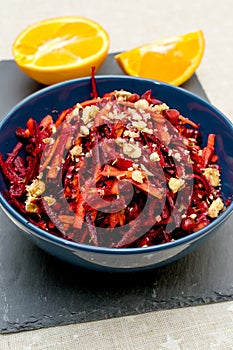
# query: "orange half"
{"points": [[61, 48], [172, 60]]}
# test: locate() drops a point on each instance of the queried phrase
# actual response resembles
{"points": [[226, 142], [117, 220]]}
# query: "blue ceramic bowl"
{"points": [[64, 95]]}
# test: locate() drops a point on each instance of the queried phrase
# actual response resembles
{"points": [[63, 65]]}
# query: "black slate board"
{"points": [[37, 290]]}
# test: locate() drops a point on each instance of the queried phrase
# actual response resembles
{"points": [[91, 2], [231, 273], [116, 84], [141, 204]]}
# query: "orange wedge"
{"points": [[61, 48], [172, 60]]}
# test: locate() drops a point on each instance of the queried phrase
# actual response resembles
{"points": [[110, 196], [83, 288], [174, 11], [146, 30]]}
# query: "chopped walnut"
{"points": [[137, 176], [175, 184], [53, 129], [213, 176], [158, 218], [148, 131], [135, 114], [131, 134], [89, 112], [193, 216], [122, 95], [131, 150], [84, 131], [30, 206], [75, 111], [154, 157], [215, 207], [140, 125], [144, 104], [48, 140], [50, 200], [36, 188], [160, 108], [76, 151]]}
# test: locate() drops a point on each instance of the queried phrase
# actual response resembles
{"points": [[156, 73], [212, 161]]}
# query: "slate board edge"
{"points": [[75, 318]]}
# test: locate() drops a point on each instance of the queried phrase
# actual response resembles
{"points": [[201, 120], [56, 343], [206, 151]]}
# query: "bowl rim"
{"points": [[73, 246]]}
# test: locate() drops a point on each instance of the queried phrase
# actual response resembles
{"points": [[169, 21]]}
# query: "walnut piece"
{"points": [[36, 188], [175, 184], [215, 207], [137, 176], [133, 151], [213, 176]]}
